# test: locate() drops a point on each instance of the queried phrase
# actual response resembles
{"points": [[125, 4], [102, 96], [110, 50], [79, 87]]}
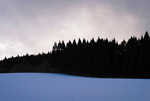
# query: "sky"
{"points": [[32, 26]]}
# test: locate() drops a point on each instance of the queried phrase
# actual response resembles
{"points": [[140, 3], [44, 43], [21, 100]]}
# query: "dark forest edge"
{"points": [[101, 58]]}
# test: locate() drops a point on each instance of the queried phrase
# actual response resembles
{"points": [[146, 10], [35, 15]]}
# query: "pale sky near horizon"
{"points": [[32, 26]]}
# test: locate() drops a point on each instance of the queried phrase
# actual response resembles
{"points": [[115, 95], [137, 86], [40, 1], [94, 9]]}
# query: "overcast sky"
{"points": [[32, 26]]}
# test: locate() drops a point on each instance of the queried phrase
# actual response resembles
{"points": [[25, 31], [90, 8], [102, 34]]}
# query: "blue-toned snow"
{"points": [[59, 87]]}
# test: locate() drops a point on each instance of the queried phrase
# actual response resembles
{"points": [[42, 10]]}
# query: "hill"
{"points": [[100, 58]]}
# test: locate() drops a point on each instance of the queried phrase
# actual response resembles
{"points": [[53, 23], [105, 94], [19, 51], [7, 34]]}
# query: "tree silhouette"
{"points": [[100, 58]]}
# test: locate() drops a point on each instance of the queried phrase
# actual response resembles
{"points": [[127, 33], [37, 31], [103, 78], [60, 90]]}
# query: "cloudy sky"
{"points": [[32, 26]]}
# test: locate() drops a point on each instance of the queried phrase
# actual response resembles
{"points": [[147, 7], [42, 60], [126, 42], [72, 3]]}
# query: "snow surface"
{"points": [[59, 87]]}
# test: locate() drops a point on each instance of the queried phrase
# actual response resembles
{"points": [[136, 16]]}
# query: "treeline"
{"points": [[94, 58], [27, 63], [103, 58]]}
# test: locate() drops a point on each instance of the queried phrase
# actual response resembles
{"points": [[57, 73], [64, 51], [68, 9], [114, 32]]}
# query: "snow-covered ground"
{"points": [[59, 87]]}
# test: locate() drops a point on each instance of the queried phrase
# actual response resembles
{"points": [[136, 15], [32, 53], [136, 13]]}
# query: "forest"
{"points": [[100, 58]]}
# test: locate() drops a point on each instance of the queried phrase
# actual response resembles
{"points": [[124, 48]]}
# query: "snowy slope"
{"points": [[58, 87]]}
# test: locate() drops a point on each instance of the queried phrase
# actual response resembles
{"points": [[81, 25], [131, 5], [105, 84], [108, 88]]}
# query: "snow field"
{"points": [[59, 87]]}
